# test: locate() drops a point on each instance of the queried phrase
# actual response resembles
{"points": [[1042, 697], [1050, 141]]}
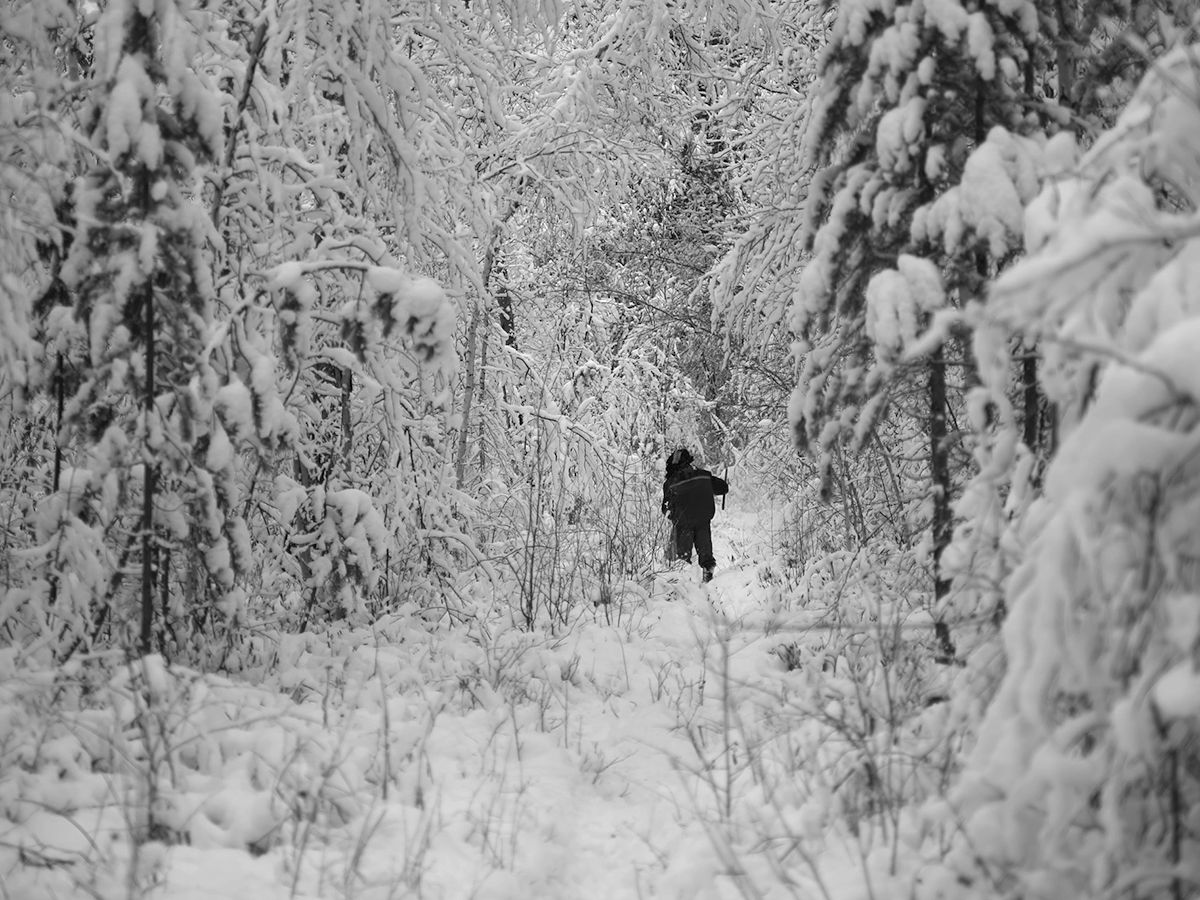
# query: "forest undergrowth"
{"points": [[765, 736]]}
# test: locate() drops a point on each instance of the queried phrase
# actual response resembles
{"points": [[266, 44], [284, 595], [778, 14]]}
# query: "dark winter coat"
{"points": [[688, 494]]}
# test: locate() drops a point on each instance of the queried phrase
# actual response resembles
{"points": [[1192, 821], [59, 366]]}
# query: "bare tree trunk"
{"points": [[60, 399], [148, 486], [508, 320], [464, 428], [1031, 401], [347, 386], [939, 470], [483, 362], [164, 598], [1067, 62]]}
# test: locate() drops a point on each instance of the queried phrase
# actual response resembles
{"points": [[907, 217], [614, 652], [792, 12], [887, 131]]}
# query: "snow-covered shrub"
{"points": [[844, 733], [105, 764], [582, 530], [1079, 783]]}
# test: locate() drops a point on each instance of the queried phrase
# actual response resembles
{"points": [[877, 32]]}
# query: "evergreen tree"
{"points": [[905, 92], [1080, 782], [154, 475], [899, 234]]}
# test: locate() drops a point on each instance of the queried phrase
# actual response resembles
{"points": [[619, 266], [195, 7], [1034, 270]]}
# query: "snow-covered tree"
{"points": [[904, 93], [148, 477], [1075, 86], [174, 360], [1081, 781], [919, 111]]}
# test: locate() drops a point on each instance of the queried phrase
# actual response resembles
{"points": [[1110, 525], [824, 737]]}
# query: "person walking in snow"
{"points": [[688, 494]]}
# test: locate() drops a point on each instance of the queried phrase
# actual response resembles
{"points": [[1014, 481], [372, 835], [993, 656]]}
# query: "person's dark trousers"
{"points": [[698, 534]]}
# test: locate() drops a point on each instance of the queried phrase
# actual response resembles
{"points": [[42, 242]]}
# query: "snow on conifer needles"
{"points": [[1087, 728]]}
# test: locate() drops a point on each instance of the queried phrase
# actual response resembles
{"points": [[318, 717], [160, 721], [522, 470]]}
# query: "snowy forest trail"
{"points": [[671, 749], [601, 775], [606, 771], [635, 753], [615, 797]]}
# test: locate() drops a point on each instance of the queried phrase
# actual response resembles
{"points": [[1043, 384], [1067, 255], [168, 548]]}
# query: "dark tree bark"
{"points": [[939, 470], [148, 486], [508, 319]]}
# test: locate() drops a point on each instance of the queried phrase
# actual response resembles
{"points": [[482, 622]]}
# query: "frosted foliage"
{"points": [[899, 61], [289, 276], [16, 344], [1071, 720], [198, 103], [427, 316], [1104, 238], [351, 517], [1119, 438], [124, 113], [891, 313], [1071, 786], [1169, 298], [979, 45], [902, 87], [109, 37], [816, 281], [272, 420], [947, 16], [855, 16], [1000, 178], [236, 406], [899, 136], [898, 300], [1096, 238], [415, 305], [132, 311], [220, 450], [351, 539], [1177, 693], [894, 52], [1183, 620]]}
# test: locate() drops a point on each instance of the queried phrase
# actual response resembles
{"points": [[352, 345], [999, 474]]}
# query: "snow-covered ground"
{"points": [[645, 751]]}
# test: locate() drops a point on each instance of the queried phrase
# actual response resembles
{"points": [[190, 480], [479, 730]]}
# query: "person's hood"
{"points": [[680, 457]]}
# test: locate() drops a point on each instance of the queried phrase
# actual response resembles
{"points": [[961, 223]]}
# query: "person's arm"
{"points": [[720, 485], [665, 504]]}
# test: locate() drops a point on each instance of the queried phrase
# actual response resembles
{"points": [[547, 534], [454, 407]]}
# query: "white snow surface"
{"points": [[1177, 693], [424, 761]]}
